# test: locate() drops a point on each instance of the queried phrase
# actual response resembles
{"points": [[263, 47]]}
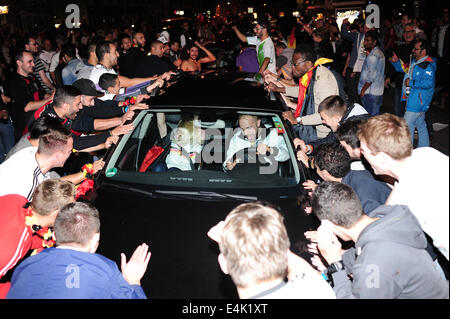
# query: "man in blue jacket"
{"points": [[73, 270], [418, 89]]}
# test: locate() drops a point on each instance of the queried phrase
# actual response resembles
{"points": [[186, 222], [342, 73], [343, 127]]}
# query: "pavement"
{"points": [[439, 117]]}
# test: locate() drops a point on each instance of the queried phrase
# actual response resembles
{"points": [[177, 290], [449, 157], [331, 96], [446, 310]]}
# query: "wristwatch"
{"points": [[335, 267]]}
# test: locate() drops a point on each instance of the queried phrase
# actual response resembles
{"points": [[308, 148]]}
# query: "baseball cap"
{"points": [[87, 87]]}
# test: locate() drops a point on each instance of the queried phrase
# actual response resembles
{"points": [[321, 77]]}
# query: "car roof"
{"points": [[214, 88]]}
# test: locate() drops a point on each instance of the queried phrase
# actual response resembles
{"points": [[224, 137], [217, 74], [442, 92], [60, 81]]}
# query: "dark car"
{"points": [[150, 192]]}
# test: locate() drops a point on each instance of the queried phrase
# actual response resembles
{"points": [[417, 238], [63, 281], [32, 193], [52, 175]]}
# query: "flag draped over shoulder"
{"points": [[292, 41], [304, 83], [405, 66]]}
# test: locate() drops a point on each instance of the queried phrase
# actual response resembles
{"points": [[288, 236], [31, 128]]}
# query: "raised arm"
{"points": [[209, 58], [241, 37]]}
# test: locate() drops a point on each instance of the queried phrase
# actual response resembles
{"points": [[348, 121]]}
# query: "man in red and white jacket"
{"points": [[22, 222]]}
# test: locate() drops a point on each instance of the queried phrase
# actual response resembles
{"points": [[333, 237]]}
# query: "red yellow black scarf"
{"points": [[304, 83]]}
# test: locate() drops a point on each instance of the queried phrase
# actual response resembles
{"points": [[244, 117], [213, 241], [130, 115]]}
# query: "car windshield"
{"points": [[205, 148]]}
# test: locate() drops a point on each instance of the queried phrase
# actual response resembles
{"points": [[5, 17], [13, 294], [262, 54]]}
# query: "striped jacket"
{"points": [[20, 174]]}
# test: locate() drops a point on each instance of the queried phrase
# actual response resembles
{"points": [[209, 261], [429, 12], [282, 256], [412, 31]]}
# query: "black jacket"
{"points": [[22, 90], [77, 127]]}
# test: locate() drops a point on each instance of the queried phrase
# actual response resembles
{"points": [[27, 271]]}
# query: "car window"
{"points": [[193, 147]]}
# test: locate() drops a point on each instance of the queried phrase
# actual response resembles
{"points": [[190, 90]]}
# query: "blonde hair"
{"points": [[387, 133], [254, 243], [51, 195], [187, 133]]}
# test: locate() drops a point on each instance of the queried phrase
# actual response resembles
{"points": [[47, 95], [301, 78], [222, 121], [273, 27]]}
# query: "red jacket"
{"points": [[15, 237]]}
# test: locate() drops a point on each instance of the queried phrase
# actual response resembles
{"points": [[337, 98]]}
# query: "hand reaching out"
{"points": [[110, 141], [327, 242], [216, 231], [122, 129], [289, 116], [141, 97], [135, 268], [138, 106], [97, 166], [310, 185], [128, 116]]}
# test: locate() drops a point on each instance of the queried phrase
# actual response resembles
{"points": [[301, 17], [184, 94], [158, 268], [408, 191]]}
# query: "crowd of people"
{"points": [[67, 99]]}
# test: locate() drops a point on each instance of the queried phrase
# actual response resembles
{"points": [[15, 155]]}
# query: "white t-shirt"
{"points": [[55, 60], [46, 57], [178, 159], [424, 186], [95, 75], [264, 49], [304, 286], [98, 71], [20, 174], [272, 139]]}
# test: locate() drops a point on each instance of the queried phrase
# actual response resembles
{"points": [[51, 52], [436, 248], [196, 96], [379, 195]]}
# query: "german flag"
{"points": [[292, 41], [405, 66], [303, 86], [304, 83]]}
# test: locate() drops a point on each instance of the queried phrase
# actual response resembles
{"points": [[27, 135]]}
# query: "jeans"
{"points": [[372, 103], [352, 86], [399, 105], [7, 139], [417, 120]]}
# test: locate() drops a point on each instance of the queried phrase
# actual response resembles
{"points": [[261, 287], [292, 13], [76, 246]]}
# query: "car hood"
{"points": [[184, 260]]}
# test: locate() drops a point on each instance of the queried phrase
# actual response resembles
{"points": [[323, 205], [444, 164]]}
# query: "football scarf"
{"points": [[304, 83]]}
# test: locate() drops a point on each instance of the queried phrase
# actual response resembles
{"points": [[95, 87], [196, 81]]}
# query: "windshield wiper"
{"points": [[206, 195], [183, 194]]}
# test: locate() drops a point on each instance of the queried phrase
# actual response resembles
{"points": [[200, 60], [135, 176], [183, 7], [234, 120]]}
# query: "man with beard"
{"points": [[264, 46], [65, 107], [133, 52], [403, 51], [107, 55], [316, 83], [193, 63], [39, 66], [153, 64]]}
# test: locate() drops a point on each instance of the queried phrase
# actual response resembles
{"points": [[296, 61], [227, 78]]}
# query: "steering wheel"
{"points": [[249, 155]]}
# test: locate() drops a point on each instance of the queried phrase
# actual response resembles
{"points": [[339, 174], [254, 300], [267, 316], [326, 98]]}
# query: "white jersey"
{"points": [[95, 75], [20, 174], [182, 159], [264, 49], [424, 186], [273, 140], [304, 286]]}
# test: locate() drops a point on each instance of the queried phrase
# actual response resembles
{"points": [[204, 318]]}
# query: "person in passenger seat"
{"points": [[186, 146]]}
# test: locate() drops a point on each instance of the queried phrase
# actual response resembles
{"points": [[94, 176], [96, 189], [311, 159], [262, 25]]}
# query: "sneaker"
{"points": [[439, 126]]}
